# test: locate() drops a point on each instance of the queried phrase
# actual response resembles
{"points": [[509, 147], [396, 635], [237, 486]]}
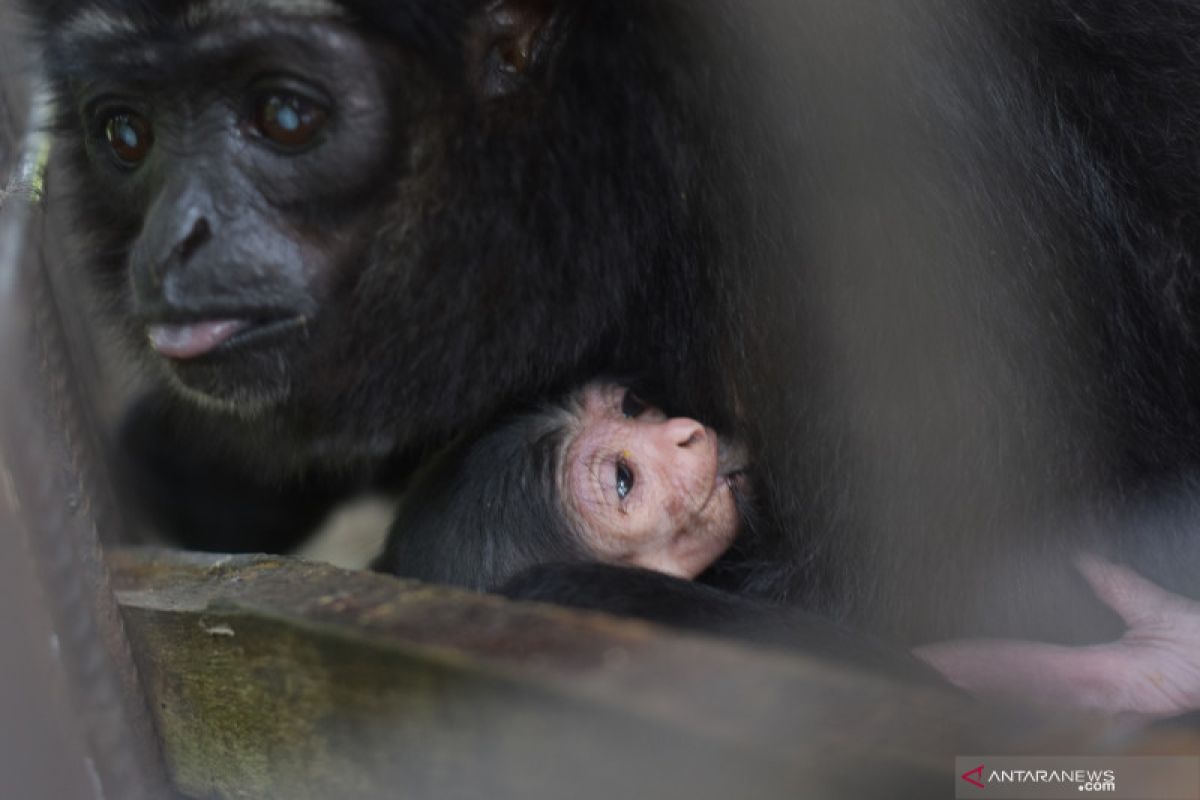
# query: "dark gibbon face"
{"points": [[301, 215], [233, 158]]}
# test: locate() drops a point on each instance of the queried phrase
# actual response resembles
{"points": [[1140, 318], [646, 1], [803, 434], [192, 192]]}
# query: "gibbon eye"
{"points": [[129, 136], [624, 482], [288, 120], [632, 406]]}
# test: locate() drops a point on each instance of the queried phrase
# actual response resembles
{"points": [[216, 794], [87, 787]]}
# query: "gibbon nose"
{"points": [[686, 444], [683, 432]]}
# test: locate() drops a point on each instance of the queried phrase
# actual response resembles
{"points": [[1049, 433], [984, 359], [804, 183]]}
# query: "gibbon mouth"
{"points": [[738, 481], [183, 341], [732, 458]]}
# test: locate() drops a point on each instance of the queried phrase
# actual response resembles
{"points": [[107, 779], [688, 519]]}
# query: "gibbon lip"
{"points": [[183, 341], [193, 339]]}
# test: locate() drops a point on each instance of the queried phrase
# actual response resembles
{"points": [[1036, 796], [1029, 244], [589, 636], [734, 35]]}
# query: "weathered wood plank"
{"points": [[272, 677]]}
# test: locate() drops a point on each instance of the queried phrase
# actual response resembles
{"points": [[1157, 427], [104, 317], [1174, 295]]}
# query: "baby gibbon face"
{"points": [[647, 490]]}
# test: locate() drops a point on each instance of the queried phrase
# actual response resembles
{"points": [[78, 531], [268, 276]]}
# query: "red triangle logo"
{"points": [[978, 772]]}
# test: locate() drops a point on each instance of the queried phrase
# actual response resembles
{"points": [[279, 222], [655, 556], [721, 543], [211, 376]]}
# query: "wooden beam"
{"points": [[272, 677]]}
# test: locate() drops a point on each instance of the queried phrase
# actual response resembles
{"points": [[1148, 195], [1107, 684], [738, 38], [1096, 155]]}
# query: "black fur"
{"points": [[933, 261], [660, 598], [484, 509]]}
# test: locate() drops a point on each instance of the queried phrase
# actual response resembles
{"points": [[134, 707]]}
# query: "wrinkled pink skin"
{"points": [[680, 515], [1152, 671]]}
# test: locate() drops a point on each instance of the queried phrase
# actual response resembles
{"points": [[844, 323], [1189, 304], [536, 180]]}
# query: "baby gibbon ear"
{"points": [[509, 44]]}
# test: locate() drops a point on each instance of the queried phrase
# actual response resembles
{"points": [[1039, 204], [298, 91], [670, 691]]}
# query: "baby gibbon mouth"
{"points": [[738, 481], [732, 458]]}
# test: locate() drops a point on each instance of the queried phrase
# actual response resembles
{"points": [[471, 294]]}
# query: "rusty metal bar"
{"points": [[53, 502]]}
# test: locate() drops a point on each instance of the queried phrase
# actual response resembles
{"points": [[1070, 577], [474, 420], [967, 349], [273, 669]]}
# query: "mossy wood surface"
{"points": [[277, 678]]}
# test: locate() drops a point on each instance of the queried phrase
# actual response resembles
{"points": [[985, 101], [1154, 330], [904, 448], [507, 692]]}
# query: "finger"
{"points": [[1134, 599], [1031, 672]]}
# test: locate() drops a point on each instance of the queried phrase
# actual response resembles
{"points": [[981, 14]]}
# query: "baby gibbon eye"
{"points": [[129, 136], [624, 479], [288, 119], [632, 406]]}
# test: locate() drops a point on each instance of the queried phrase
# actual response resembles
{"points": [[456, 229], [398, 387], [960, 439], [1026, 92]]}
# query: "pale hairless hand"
{"points": [[1152, 671]]}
